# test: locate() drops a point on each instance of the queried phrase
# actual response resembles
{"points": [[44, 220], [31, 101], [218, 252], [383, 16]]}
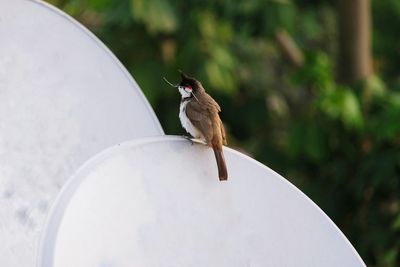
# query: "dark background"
{"points": [[311, 88]]}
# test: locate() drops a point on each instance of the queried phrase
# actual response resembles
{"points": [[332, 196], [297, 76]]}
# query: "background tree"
{"points": [[354, 25]]}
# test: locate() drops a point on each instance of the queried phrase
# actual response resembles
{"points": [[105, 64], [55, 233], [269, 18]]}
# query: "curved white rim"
{"points": [[99, 43], [66, 193]]}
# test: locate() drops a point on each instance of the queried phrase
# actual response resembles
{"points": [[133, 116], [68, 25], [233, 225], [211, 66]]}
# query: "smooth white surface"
{"points": [[63, 98], [158, 202]]}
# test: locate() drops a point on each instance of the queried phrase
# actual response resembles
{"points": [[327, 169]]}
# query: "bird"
{"points": [[199, 116]]}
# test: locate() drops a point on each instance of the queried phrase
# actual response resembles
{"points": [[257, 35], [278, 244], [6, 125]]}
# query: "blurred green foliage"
{"points": [[339, 144]]}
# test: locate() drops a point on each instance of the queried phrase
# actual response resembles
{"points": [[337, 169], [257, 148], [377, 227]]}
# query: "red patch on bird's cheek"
{"points": [[188, 88]]}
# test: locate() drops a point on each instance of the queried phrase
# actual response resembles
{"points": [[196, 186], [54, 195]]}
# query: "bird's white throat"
{"points": [[183, 92]]}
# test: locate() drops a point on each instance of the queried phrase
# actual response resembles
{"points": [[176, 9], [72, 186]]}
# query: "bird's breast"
{"points": [[186, 123]]}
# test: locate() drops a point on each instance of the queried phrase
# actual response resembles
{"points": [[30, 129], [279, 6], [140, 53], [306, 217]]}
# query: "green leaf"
{"points": [[391, 256], [207, 25], [157, 15], [341, 103], [222, 56], [396, 223], [99, 5], [306, 139], [375, 86], [351, 110], [220, 77]]}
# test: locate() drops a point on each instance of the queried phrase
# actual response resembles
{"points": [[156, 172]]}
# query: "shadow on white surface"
{"points": [[63, 98], [158, 202]]}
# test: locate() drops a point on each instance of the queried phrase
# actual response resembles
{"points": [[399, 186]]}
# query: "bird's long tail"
{"points": [[219, 156]]}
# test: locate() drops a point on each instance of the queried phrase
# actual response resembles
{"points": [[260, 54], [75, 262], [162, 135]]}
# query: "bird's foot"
{"points": [[189, 138], [195, 140]]}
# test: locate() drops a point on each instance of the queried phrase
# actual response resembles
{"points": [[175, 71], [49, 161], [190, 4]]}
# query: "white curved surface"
{"points": [[158, 202], [63, 98]]}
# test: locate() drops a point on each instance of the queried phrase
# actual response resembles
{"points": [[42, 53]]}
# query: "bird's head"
{"points": [[188, 86]]}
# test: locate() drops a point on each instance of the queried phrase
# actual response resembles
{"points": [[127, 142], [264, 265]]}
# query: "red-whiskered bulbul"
{"points": [[199, 116]]}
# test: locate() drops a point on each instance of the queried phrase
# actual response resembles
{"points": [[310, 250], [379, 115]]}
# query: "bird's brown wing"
{"points": [[222, 128], [200, 117], [218, 127], [205, 118]]}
